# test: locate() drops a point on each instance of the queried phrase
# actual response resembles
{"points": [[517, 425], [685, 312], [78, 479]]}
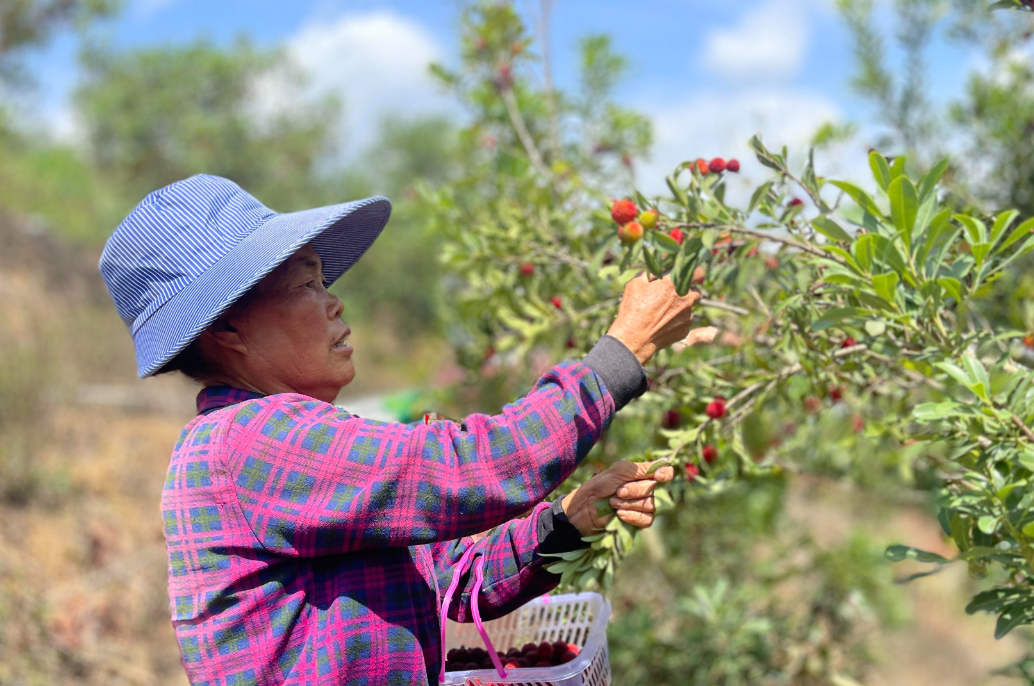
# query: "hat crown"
{"points": [[171, 237]]}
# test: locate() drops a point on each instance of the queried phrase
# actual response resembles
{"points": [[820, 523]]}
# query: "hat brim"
{"points": [[340, 234]]}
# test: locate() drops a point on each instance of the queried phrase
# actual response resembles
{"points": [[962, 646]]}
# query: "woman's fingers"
{"points": [[634, 490], [640, 505], [639, 520], [704, 334]]}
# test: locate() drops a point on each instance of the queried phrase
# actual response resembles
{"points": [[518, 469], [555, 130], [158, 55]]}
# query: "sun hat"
{"points": [[189, 250]]}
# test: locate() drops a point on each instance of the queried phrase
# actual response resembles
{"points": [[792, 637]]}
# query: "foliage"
{"points": [[28, 23], [853, 314]]}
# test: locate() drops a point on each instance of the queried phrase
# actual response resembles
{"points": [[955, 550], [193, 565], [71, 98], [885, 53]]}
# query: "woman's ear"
{"points": [[223, 336]]}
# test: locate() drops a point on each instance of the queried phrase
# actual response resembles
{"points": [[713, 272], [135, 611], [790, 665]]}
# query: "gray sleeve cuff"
{"points": [[619, 369]]}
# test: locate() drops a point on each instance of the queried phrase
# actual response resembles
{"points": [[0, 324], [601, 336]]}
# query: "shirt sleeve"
{"points": [[313, 480]]}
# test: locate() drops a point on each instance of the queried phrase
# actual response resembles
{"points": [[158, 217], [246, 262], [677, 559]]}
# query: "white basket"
{"points": [[579, 618]]}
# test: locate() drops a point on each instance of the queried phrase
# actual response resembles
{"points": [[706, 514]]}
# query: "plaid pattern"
{"points": [[307, 545]]}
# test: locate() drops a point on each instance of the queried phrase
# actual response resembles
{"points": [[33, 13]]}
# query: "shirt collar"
{"points": [[212, 398]]}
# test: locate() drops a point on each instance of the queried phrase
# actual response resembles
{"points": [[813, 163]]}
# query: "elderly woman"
{"points": [[307, 545]]}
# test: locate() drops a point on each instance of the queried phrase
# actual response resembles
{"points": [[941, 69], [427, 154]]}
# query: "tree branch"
{"points": [[514, 111], [791, 242]]}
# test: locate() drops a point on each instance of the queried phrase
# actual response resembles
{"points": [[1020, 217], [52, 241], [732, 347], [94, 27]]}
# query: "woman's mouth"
{"points": [[341, 344]]}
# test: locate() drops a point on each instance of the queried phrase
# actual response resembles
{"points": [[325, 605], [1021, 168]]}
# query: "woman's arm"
{"points": [[313, 480], [513, 569]]}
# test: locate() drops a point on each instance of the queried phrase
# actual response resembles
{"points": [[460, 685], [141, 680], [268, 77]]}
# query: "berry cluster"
{"points": [[632, 223], [715, 166], [544, 654]]}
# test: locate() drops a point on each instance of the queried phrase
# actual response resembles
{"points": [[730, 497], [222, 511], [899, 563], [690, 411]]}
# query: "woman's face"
{"points": [[289, 333]]}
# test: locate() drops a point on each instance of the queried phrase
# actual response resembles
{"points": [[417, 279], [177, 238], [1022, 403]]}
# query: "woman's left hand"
{"points": [[629, 489]]}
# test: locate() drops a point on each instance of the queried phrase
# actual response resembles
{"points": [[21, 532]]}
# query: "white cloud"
{"points": [[376, 62], [765, 42], [720, 124]]}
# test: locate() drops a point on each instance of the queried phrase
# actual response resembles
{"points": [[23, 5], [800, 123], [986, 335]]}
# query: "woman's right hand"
{"points": [[652, 316]]}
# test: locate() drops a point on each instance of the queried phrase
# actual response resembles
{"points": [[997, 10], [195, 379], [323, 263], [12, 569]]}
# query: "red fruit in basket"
{"points": [[532, 656], [732, 166], [511, 665], [522, 662], [477, 654], [513, 652], [543, 663], [487, 663], [558, 649], [546, 650], [573, 647], [455, 655], [529, 647], [469, 666], [568, 656], [623, 211]]}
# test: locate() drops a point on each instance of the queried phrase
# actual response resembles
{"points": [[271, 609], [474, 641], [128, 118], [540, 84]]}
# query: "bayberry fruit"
{"points": [[848, 342], [529, 647], [677, 235], [716, 166], [546, 650], [796, 202], [557, 301], [511, 665], [836, 393], [558, 648], [648, 219], [568, 656], [527, 269], [732, 166], [1029, 341], [631, 233], [716, 408], [812, 404], [702, 167], [857, 424], [543, 663], [753, 252], [623, 211], [772, 263], [709, 453], [672, 419]]}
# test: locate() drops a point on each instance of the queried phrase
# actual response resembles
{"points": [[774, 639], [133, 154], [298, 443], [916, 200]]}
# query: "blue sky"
{"points": [[709, 73]]}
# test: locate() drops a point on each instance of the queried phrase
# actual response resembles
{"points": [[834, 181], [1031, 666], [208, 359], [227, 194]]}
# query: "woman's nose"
{"points": [[336, 307]]}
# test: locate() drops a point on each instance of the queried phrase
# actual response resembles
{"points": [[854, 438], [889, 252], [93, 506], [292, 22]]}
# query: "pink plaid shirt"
{"points": [[307, 545]]}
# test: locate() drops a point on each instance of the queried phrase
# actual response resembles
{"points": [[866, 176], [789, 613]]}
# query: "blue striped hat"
{"points": [[191, 249]]}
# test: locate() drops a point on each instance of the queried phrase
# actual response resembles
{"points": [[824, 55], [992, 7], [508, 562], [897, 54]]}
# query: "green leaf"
{"points": [[677, 191], [886, 284], [1014, 616], [940, 226], [836, 315], [875, 327], [863, 252], [898, 553], [760, 193], [952, 286], [904, 204], [860, 197], [830, 229], [954, 372], [651, 263], [975, 228], [665, 241], [880, 169], [975, 369], [929, 182], [987, 524], [1002, 223], [897, 168], [1019, 232], [993, 600]]}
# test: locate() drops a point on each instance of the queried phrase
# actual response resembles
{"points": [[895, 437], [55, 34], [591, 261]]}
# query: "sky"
{"points": [[708, 73]]}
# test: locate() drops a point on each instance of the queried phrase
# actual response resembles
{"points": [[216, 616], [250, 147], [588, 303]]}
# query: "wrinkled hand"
{"points": [[629, 489]]}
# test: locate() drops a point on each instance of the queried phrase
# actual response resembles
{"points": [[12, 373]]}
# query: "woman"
{"points": [[307, 545]]}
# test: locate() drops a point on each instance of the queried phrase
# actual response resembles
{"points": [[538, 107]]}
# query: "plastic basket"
{"points": [[579, 618]]}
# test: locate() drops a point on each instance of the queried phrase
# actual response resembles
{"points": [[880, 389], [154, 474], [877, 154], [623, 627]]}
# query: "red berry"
{"points": [[732, 166], [702, 167], [623, 211], [527, 269], [1028, 341], [456, 654], [857, 424], [630, 233], [848, 342], [836, 393], [772, 263], [546, 650], [796, 202], [716, 408], [557, 301], [677, 234], [716, 166], [487, 663], [532, 656], [543, 663], [753, 252], [513, 652], [511, 665], [522, 662], [572, 343], [812, 404], [671, 419], [469, 666], [709, 453], [558, 649]]}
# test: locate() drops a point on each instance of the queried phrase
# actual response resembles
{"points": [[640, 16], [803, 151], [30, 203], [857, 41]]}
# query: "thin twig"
{"points": [[791, 242], [719, 305], [545, 9], [1022, 427], [514, 111]]}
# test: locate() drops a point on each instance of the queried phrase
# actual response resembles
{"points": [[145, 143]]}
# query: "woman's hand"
{"points": [[629, 489]]}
